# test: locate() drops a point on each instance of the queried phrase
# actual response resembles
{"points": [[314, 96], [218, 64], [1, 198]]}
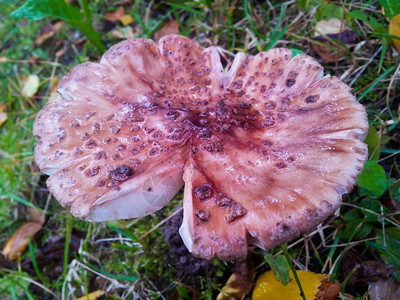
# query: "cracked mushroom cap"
{"points": [[266, 148]]}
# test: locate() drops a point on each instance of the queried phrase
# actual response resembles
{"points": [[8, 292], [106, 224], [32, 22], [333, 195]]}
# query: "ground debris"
{"points": [[367, 272]]}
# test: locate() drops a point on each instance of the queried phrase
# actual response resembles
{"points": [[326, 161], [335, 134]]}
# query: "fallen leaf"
{"points": [[171, 27], [123, 33], [60, 53], [36, 215], [54, 95], [327, 30], [240, 282], [92, 295], [367, 272], [328, 291], [3, 113], [387, 289], [184, 291], [126, 20], [331, 26], [31, 85], [54, 83], [115, 15], [48, 31], [17, 244], [394, 29], [267, 287]]}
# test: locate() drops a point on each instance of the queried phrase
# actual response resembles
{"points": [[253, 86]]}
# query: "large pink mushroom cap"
{"points": [[265, 149]]}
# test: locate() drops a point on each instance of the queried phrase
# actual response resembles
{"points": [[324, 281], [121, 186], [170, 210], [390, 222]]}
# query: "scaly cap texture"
{"points": [[265, 148]]}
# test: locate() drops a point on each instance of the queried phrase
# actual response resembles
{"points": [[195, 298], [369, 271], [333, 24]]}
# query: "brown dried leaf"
{"points": [[171, 27], [367, 272], [54, 83], [387, 289], [116, 15], [17, 244], [328, 291], [327, 30], [240, 282], [394, 29], [36, 215], [48, 31]]}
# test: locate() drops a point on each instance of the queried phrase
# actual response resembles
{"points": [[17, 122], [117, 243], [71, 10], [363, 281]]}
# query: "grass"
{"points": [[130, 259]]}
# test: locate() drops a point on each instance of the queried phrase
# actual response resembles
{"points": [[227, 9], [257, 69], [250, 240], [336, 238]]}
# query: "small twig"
{"points": [[39, 285], [24, 61], [365, 66]]}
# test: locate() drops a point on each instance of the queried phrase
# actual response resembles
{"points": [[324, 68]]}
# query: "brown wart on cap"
{"points": [[266, 149]]}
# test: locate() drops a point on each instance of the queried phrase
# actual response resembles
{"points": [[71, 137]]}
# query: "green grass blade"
{"points": [[375, 82], [119, 277], [20, 200], [296, 277]]}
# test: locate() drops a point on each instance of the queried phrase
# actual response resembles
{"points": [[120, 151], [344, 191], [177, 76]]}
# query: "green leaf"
{"points": [[303, 4], [279, 266], [38, 9], [88, 30], [296, 51], [392, 7], [58, 9], [388, 245], [370, 20], [327, 10], [356, 227], [373, 178], [375, 206], [183, 293], [394, 187], [348, 233]]}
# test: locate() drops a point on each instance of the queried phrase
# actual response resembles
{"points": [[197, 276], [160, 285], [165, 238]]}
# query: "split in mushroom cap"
{"points": [[266, 148]]}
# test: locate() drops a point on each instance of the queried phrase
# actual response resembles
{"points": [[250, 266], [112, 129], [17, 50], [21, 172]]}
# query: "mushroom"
{"points": [[265, 147]]}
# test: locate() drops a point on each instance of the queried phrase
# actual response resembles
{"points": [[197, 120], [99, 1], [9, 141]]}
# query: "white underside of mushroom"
{"points": [[143, 196]]}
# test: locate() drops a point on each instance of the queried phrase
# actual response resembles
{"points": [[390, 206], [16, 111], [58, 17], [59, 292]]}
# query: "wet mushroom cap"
{"points": [[266, 148]]}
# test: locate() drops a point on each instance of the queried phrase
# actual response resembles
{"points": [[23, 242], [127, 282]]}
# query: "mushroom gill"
{"points": [[266, 148]]}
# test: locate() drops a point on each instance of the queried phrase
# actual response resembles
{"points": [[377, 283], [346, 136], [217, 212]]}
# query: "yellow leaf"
{"points": [[17, 244], [126, 20], [31, 86], [240, 282], [267, 287], [3, 113], [92, 295], [394, 29]]}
